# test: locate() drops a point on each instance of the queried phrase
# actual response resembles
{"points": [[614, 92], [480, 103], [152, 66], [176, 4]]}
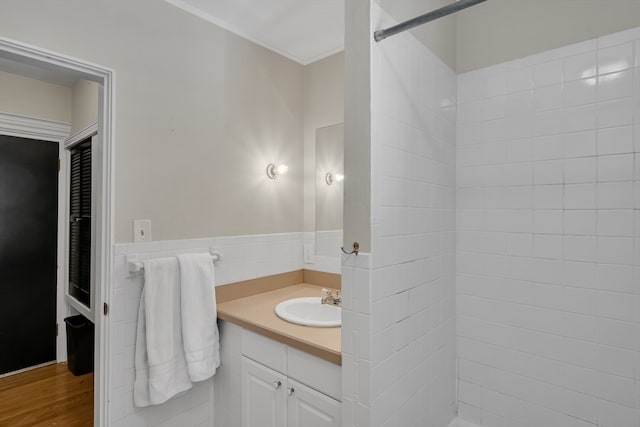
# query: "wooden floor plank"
{"points": [[47, 396], [32, 376]]}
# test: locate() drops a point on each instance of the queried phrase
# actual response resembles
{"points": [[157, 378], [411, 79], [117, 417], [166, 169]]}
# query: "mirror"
{"points": [[329, 189]]}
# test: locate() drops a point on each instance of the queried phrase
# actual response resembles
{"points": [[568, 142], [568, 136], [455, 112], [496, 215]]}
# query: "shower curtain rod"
{"points": [[423, 19]]}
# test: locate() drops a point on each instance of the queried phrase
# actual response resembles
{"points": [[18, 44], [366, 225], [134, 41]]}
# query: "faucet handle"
{"points": [[327, 292]]}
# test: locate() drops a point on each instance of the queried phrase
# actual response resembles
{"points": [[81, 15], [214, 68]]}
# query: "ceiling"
{"points": [[302, 30]]}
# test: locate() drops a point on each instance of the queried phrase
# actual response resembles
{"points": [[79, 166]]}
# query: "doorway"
{"points": [[28, 252], [42, 59]]}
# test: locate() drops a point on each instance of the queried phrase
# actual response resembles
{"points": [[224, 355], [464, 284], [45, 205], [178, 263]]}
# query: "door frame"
{"points": [[44, 58], [90, 131]]}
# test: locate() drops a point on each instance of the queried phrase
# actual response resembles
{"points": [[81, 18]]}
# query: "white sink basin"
{"points": [[309, 312]]}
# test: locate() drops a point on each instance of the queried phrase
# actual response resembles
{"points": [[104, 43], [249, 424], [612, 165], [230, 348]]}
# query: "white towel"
{"points": [[199, 325], [161, 369]]}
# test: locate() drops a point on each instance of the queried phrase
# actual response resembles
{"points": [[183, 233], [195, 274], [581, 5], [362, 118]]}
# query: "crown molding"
{"points": [[33, 127]]}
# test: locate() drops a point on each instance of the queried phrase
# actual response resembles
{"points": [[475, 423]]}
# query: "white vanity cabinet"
{"points": [[263, 396], [309, 408], [264, 383], [271, 399]]}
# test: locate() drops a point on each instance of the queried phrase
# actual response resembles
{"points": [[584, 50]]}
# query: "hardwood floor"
{"points": [[47, 396]]}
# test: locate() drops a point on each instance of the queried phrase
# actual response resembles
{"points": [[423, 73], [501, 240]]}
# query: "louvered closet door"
{"points": [[80, 223], [28, 252]]}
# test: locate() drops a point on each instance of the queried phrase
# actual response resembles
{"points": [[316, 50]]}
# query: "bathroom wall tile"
{"points": [[547, 246], [412, 270], [580, 196], [615, 113], [580, 222], [579, 92], [615, 195], [580, 170], [518, 103], [617, 278], [547, 221], [519, 79], [580, 229], [579, 144], [617, 140], [616, 168], [615, 86], [548, 172], [548, 97], [619, 38], [615, 58], [580, 248], [615, 250], [548, 73], [578, 119], [580, 66]]}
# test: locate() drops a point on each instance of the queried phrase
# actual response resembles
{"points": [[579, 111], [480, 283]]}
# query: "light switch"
{"points": [[142, 230]]}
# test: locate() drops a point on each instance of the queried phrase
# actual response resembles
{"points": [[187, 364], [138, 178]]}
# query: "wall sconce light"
{"points": [[273, 171], [329, 178]]}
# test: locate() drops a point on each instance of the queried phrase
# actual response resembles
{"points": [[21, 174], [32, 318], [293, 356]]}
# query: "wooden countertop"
{"points": [[257, 313]]}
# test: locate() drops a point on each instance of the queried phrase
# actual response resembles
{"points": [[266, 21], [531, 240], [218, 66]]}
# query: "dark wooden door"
{"points": [[28, 252]]}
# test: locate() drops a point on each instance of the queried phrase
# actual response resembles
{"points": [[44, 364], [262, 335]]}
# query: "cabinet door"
{"points": [[309, 408], [263, 396]]}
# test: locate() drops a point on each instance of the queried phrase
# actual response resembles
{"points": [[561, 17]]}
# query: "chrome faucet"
{"points": [[329, 298]]}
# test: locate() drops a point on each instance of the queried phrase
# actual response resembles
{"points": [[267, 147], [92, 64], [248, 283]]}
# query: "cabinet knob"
{"points": [[290, 390], [277, 384]]}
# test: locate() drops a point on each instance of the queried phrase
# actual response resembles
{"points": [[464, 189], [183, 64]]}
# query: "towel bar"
{"points": [[136, 266]]}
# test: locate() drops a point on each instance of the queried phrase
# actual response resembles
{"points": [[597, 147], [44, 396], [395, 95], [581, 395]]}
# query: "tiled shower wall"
{"points": [[548, 247], [244, 257], [399, 364]]}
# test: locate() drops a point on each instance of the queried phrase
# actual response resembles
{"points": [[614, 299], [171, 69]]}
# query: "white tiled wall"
{"points": [[548, 248], [245, 257], [399, 363]]}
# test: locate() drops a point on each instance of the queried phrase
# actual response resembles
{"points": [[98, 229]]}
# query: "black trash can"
{"points": [[79, 344]]}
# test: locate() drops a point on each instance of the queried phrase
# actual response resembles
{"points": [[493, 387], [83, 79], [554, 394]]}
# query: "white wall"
{"points": [[84, 104], [200, 112], [34, 98], [548, 250], [399, 300]]}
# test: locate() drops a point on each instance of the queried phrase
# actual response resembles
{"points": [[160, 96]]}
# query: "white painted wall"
{"points": [[399, 300], [200, 112], [548, 250], [84, 104], [34, 98]]}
